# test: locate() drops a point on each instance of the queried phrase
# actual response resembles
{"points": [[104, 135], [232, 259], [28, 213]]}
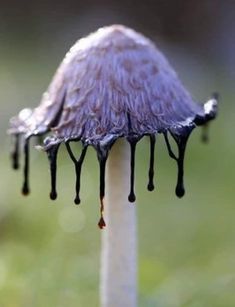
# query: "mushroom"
{"points": [[113, 84]]}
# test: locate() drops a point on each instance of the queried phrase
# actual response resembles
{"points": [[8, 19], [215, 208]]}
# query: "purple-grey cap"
{"points": [[113, 83]]}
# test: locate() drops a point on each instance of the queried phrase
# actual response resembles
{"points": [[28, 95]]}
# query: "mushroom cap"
{"points": [[113, 83]]}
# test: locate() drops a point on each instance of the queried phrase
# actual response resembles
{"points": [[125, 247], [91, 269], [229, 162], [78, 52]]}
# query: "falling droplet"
{"points": [[15, 153], [101, 223], [53, 195], [151, 162], [25, 188], [131, 196], [52, 156]]}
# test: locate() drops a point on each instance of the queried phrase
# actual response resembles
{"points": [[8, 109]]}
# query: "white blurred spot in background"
{"points": [[72, 219]]}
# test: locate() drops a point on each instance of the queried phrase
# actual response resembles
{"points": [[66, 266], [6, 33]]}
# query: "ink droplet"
{"points": [[78, 166], [131, 196], [52, 157], [25, 188], [101, 223], [53, 195], [151, 162], [181, 141], [102, 157]]}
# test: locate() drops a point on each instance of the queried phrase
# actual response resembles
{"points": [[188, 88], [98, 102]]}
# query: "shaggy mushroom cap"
{"points": [[113, 83]]}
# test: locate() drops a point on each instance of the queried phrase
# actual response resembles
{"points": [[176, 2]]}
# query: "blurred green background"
{"points": [[49, 251]]}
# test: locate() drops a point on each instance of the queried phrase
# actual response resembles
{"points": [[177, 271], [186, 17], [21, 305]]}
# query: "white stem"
{"points": [[119, 243]]}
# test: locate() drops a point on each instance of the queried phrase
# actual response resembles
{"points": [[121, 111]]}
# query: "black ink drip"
{"points": [[52, 156], [180, 191], [132, 141], [181, 142], [78, 168], [131, 196], [25, 188], [15, 153], [151, 162], [102, 157], [205, 134]]}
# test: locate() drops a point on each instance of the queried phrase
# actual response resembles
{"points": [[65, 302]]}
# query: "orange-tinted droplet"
{"points": [[101, 223]]}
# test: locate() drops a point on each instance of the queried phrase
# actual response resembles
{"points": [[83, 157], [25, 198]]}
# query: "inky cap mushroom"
{"points": [[114, 83]]}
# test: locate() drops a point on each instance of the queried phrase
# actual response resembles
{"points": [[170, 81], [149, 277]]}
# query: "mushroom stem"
{"points": [[119, 244]]}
